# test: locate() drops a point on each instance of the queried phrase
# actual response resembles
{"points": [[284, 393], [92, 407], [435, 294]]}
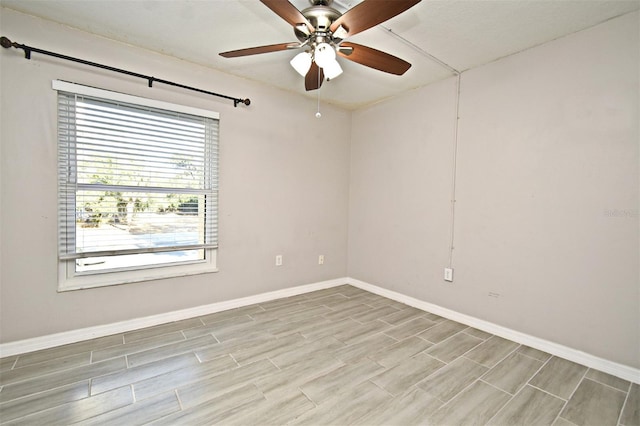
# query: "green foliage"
{"points": [[119, 207], [189, 207]]}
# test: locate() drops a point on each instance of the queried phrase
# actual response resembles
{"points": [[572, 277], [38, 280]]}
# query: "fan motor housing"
{"points": [[321, 17]]}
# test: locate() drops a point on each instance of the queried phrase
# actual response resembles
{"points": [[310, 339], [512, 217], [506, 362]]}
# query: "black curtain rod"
{"points": [[6, 43]]}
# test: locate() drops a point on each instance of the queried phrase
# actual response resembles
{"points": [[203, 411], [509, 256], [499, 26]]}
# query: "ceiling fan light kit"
{"points": [[325, 57], [301, 63], [324, 54], [321, 30], [332, 70]]}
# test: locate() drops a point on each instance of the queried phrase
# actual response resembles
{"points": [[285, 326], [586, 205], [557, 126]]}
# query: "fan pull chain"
{"points": [[318, 115]]}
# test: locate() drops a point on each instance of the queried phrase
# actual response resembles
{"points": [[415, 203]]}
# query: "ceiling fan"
{"points": [[321, 31]]}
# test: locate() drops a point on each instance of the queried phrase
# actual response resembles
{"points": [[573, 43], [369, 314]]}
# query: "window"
{"points": [[137, 188]]}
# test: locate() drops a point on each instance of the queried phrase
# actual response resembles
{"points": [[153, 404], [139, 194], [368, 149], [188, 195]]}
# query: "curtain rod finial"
{"points": [[5, 42]]}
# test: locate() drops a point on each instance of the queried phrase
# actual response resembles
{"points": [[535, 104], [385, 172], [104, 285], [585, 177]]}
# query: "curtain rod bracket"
{"points": [[247, 102], [6, 43]]}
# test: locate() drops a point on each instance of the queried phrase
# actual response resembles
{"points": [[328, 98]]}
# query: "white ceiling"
{"points": [[460, 33]]}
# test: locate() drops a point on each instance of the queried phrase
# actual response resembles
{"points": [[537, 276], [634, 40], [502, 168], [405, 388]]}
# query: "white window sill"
{"points": [[68, 280]]}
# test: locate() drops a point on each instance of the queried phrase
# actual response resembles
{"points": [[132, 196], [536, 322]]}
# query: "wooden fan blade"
{"points": [[314, 78], [375, 59], [288, 12], [258, 50], [370, 13]]}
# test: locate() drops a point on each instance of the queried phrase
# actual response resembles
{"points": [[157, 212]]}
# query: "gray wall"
{"points": [[280, 194], [547, 210], [547, 192]]}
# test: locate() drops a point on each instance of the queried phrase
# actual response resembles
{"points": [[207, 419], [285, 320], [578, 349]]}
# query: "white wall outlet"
{"points": [[448, 274], [321, 259], [279, 260]]}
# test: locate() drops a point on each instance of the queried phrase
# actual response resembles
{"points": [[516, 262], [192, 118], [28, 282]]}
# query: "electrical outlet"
{"points": [[279, 260], [321, 259], [448, 274]]}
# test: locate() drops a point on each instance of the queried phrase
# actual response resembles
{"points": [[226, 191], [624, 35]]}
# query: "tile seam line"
{"points": [[497, 363], [624, 405], [511, 398], [604, 384]]}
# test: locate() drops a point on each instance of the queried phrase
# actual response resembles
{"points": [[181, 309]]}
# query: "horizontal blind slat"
{"points": [[131, 162], [124, 252]]}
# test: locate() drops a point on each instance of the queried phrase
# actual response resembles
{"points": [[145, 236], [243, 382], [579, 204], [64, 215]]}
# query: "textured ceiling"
{"points": [[462, 34]]}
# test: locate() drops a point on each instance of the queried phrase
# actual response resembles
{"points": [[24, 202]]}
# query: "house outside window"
{"points": [[137, 187]]}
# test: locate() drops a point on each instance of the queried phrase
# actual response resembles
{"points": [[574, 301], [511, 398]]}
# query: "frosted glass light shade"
{"points": [[332, 69], [301, 63], [324, 54]]}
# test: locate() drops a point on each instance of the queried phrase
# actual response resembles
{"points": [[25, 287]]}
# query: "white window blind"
{"points": [[134, 178]]}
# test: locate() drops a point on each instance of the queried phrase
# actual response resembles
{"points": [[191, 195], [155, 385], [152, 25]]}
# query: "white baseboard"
{"points": [[619, 370], [64, 338], [73, 336]]}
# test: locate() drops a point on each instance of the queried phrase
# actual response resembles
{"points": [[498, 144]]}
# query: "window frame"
{"points": [[68, 277]]}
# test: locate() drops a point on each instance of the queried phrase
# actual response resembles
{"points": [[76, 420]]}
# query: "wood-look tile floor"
{"points": [[332, 357]]}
